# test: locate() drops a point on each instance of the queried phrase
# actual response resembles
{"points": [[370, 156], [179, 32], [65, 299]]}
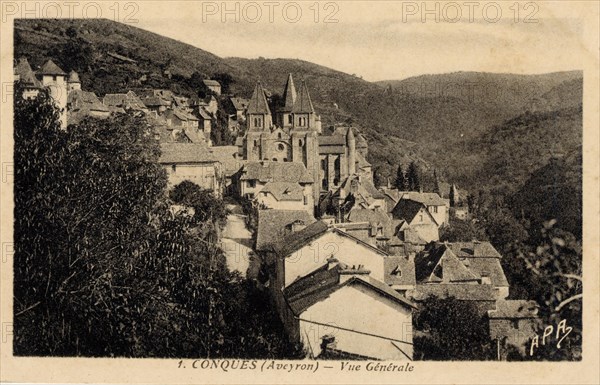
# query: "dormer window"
{"points": [[397, 272]]}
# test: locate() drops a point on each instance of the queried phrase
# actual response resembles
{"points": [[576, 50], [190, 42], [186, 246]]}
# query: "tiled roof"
{"points": [[463, 292], [514, 309], [408, 209], [284, 191], [455, 261], [303, 104], [258, 102], [427, 198], [297, 240], [49, 68], [184, 116], [266, 171], [154, 101], [26, 74], [328, 140], [228, 156], [203, 114], [399, 271], [273, 225], [127, 100], [321, 283], [185, 153], [212, 83], [476, 249], [239, 104], [79, 99], [74, 77]]}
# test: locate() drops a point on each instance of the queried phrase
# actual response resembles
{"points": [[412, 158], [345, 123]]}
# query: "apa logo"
{"points": [[562, 331]]}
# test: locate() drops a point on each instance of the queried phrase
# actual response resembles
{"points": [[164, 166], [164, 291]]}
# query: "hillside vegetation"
{"points": [[475, 129]]}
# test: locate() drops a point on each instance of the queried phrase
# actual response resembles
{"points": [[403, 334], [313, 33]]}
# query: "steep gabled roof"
{"points": [[321, 283], [297, 240], [284, 191], [26, 74], [303, 103], [49, 68], [427, 198], [258, 102], [408, 209], [289, 95], [74, 77], [399, 271], [273, 225]]}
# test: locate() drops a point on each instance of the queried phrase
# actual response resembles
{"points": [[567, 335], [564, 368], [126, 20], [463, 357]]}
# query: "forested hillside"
{"points": [[478, 130]]}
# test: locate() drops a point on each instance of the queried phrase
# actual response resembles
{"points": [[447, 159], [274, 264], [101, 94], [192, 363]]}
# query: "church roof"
{"points": [[303, 103], [289, 94], [49, 68], [266, 171], [258, 102]]}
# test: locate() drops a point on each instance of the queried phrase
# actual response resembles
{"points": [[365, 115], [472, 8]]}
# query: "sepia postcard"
{"points": [[302, 192]]}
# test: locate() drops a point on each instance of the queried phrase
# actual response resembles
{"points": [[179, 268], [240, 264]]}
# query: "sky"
{"points": [[382, 40]]}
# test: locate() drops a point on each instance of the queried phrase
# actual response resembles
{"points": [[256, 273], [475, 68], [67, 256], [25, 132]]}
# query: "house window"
{"points": [[251, 183], [289, 119], [435, 209], [174, 168], [421, 218], [305, 200]]}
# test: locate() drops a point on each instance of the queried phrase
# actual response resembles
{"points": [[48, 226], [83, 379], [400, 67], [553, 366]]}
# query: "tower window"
{"points": [[289, 119], [279, 135]]}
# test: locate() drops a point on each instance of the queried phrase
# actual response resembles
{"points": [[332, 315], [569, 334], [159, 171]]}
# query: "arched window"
{"points": [[289, 119]]}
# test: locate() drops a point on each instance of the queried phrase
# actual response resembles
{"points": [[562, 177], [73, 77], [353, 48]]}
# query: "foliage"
{"points": [[207, 207], [557, 264], [401, 181], [413, 177], [103, 267], [459, 230], [449, 329]]}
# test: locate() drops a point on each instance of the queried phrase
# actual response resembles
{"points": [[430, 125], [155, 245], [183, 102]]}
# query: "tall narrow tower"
{"points": [[285, 118], [259, 122], [53, 77]]}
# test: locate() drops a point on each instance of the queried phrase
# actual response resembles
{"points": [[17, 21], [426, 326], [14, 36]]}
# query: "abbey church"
{"points": [[295, 134]]}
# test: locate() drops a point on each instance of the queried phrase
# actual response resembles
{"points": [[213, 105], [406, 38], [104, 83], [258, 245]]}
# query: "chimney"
{"points": [[349, 272], [332, 262], [328, 342], [297, 226]]}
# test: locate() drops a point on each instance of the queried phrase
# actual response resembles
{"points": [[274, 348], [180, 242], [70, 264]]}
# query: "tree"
{"points": [[401, 182], [378, 178], [458, 230], [413, 177], [207, 207], [450, 329]]}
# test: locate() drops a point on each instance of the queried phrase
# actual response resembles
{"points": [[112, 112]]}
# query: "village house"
{"points": [[83, 103], [193, 162], [231, 162], [126, 101], [213, 85], [456, 199], [418, 217], [274, 225], [513, 323], [308, 248], [468, 271], [180, 118], [436, 205], [333, 307], [286, 196], [254, 176]]}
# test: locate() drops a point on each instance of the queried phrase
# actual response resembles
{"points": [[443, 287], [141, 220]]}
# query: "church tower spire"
{"points": [[284, 115], [303, 112], [258, 114]]}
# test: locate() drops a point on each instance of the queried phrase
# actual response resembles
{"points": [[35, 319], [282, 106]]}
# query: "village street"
{"points": [[237, 243]]}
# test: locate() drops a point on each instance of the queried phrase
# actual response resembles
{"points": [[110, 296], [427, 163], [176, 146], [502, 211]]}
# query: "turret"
{"points": [[351, 142], [53, 77], [73, 83]]}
